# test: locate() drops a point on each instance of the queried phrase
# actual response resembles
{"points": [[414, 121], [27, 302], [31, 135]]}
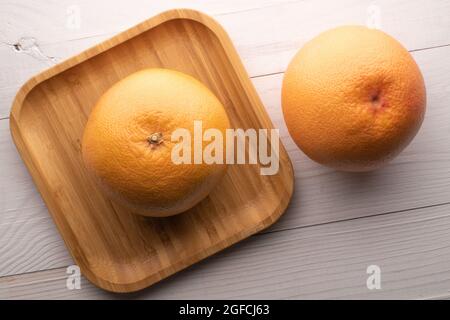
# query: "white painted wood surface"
{"points": [[323, 261], [337, 224]]}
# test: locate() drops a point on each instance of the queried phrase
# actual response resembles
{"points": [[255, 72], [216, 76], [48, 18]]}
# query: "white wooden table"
{"points": [[337, 225]]}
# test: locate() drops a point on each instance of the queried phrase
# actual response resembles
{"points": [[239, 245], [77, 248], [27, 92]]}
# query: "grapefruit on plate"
{"points": [[127, 143]]}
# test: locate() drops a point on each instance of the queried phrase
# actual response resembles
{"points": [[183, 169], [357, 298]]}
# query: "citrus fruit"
{"points": [[127, 143], [353, 98]]}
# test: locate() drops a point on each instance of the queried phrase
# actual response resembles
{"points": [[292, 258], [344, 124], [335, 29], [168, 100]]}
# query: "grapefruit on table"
{"points": [[127, 141], [353, 98]]}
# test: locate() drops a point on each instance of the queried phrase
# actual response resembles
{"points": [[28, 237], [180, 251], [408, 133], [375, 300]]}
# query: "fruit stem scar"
{"points": [[155, 138]]}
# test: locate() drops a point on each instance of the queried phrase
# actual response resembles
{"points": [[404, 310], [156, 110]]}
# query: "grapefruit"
{"points": [[353, 98], [127, 141]]}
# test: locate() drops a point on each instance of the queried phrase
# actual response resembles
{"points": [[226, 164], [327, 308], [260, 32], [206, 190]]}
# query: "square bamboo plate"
{"points": [[115, 249]]}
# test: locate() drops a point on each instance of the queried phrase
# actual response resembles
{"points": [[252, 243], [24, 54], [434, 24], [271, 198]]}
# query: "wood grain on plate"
{"points": [[114, 248]]}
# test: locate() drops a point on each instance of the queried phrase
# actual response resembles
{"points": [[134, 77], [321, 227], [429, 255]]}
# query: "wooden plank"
{"points": [[58, 38], [266, 35], [70, 20], [328, 261], [420, 176]]}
